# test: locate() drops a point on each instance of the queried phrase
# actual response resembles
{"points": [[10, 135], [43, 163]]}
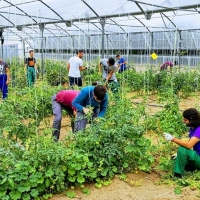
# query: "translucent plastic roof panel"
{"points": [[22, 18]]}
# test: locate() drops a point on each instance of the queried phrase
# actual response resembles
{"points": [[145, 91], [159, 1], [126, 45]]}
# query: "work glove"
{"points": [[168, 136], [87, 111], [174, 156]]}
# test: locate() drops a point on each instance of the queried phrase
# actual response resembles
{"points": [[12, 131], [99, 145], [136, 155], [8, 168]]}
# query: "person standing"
{"points": [[165, 65], [30, 68], [121, 63], [107, 68], [4, 78], [188, 154], [75, 66]]}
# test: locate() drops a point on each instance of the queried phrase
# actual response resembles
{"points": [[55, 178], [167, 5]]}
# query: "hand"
{"points": [[7, 82], [105, 84], [96, 120], [174, 156], [168, 136], [86, 111]]}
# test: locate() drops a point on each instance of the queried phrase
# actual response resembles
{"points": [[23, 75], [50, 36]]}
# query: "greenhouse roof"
{"points": [[29, 18]]}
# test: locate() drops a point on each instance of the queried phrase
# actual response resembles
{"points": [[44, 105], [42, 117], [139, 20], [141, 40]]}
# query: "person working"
{"points": [[107, 68], [74, 66], [76, 104], [165, 65], [4, 78], [188, 154], [91, 100], [30, 68], [121, 64], [62, 100]]}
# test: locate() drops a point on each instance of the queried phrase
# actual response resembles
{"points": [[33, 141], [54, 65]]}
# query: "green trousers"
{"points": [[113, 86], [187, 159], [31, 76]]}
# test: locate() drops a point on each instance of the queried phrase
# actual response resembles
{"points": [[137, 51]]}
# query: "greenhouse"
{"points": [[100, 99]]}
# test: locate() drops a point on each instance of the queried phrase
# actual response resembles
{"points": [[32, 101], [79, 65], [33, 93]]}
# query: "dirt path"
{"points": [[121, 190]]}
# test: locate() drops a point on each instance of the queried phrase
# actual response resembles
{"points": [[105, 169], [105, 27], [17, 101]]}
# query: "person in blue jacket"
{"points": [[91, 102], [121, 63]]}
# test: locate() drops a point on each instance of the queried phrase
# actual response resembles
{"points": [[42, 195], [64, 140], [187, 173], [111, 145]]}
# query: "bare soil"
{"points": [[139, 186]]}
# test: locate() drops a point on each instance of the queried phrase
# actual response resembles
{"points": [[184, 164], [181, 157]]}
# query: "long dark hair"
{"points": [[193, 116]]}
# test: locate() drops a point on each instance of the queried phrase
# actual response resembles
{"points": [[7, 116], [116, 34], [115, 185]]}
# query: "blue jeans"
{"points": [[3, 86], [121, 70]]}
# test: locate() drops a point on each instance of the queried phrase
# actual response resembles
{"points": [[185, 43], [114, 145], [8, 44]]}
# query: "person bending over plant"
{"points": [[188, 154], [91, 100]]}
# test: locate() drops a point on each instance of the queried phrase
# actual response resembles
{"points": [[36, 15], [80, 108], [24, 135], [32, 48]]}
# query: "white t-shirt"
{"points": [[75, 62]]}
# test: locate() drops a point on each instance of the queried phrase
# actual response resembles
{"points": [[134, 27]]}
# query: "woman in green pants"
{"points": [[188, 154]]}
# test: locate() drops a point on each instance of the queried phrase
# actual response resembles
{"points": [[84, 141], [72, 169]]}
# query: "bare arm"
{"points": [[8, 75], [35, 65], [109, 76], [25, 68], [68, 66], [188, 144], [82, 68], [99, 68]]}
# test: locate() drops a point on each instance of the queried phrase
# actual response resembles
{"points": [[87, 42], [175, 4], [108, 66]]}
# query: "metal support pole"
{"points": [[151, 47], [24, 52], [127, 44], [42, 48], [2, 41], [89, 42], [72, 38], [103, 21], [179, 50]]}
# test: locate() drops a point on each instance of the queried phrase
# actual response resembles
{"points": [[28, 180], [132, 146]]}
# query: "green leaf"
{"points": [[26, 197], [34, 193], [114, 169], [125, 165], [11, 182], [3, 181], [177, 190], [15, 195], [71, 171], [49, 173], [47, 182], [2, 193], [104, 172], [80, 179], [72, 179], [47, 196], [71, 194], [24, 189], [40, 180], [98, 185], [86, 191]]}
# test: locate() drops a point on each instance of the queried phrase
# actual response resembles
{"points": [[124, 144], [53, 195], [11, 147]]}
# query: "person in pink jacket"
{"points": [[165, 65], [63, 100]]}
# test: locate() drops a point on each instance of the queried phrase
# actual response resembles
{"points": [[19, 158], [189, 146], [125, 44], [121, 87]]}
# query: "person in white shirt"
{"points": [[75, 66]]}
